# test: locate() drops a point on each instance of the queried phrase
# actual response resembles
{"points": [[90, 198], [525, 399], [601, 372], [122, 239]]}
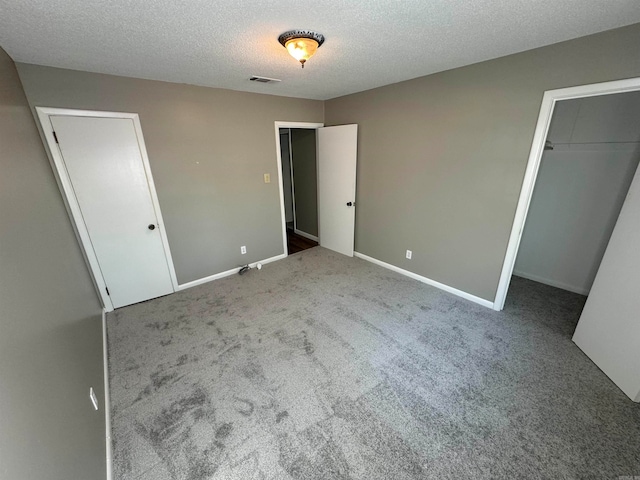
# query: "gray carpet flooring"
{"points": [[326, 367]]}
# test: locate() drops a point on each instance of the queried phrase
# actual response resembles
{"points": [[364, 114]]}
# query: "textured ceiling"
{"points": [[221, 43]]}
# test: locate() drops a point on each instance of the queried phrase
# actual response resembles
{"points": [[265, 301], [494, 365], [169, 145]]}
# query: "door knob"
{"points": [[351, 204], [152, 227]]}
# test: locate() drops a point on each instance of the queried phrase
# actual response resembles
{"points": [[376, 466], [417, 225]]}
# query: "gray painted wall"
{"points": [[580, 189], [50, 320], [305, 179], [441, 158], [208, 149]]}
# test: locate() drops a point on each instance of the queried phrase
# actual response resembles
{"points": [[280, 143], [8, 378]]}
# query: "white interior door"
{"points": [[104, 165], [609, 328], [337, 156]]}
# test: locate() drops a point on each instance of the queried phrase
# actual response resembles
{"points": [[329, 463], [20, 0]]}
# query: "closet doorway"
{"points": [[591, 154], [300, 187], [553, 101]]}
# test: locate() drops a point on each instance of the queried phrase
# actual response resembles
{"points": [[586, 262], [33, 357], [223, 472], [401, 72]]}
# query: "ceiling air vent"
{"points": [[255, 78]]}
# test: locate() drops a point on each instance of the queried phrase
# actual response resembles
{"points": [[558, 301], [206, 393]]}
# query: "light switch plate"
{"points": [[267, 178]]}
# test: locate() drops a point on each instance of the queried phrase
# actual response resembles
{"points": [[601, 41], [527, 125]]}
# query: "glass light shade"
{"points": [[302, 49]]}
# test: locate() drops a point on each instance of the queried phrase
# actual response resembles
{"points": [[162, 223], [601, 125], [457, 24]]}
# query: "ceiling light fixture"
{"points": [[301, 44]]}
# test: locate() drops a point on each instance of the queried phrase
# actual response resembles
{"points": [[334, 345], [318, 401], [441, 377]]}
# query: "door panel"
{"points": [[609, 327], [337, 156], [103, 160]]}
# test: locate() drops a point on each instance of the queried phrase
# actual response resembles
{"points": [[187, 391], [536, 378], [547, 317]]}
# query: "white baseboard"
{"points": [[107, 398], [306, 235], [228, 273], [552, 283], [428, 281]]}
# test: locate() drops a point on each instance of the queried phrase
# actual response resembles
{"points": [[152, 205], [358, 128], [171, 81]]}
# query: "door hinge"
{"points": [[56, 137], [107, 289]]}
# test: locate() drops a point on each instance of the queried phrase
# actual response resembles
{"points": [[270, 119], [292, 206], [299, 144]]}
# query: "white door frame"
{"points": [[279, 125], [71, 202], [537, 149], [293, 186], [293, 189]]}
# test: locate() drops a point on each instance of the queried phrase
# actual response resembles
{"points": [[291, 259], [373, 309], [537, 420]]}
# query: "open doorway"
{"points": [[295, 237], [585, 152], [300, 187], [336, 160]]}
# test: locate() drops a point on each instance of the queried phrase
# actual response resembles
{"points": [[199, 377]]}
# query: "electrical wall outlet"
{"points": [[243, 250], [93, 398], [267, 178], [409, 253]]}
